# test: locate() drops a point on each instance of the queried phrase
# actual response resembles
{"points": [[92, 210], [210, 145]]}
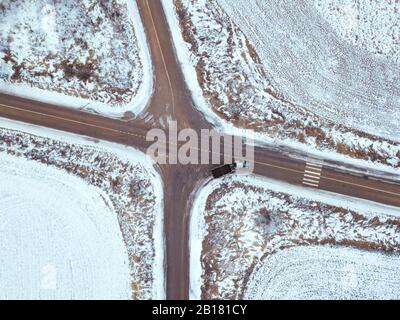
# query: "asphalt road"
{"points": [[171, 100]]}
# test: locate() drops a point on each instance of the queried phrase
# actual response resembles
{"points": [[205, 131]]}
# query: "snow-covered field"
{"points": [[72, 204], [373, 26], [81, 53], [326, 272], [60, 237], [288, 73], [309, 64], [238, 221]]}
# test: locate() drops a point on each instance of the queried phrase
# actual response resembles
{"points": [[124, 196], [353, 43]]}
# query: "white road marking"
{"points": [[310, 184], [314, 165], [312, 174]]}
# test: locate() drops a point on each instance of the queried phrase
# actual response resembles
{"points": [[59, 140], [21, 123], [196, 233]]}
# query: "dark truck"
{"points": [[227, 169], [223, 170]]}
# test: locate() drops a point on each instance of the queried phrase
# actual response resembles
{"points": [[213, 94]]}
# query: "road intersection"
{"points": [[171, 100]]}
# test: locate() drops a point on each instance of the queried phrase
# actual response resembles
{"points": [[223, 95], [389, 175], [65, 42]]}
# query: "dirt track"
{"points": [[171, 100]]}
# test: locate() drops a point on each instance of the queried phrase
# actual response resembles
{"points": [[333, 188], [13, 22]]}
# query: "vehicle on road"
{"points": [[225, 169]]}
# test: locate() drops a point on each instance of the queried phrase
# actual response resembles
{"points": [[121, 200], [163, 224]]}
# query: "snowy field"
{"points": [[326, 273], [106, 200], [81, 53], [60, 239], [240, 220], [373, 26], [309, 64], [303, 85]]}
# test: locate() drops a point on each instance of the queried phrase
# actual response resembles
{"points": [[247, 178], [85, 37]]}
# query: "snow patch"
{"points": [[60, 237], [98, 163], [93, 69], [238, 220], [325, 273]]}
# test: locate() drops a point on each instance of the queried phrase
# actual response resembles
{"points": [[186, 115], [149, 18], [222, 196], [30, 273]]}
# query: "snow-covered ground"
{"points": [[370, 25], [240, 220], [317, 71], [326, 272], [118, 180], [82, 53], [60, 238], [293, 88]]}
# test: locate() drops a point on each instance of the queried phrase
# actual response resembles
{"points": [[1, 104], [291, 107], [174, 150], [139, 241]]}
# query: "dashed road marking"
{"points": [[312, 174]]}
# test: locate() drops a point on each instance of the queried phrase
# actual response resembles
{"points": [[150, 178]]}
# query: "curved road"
{"points": [[171, 101]]}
